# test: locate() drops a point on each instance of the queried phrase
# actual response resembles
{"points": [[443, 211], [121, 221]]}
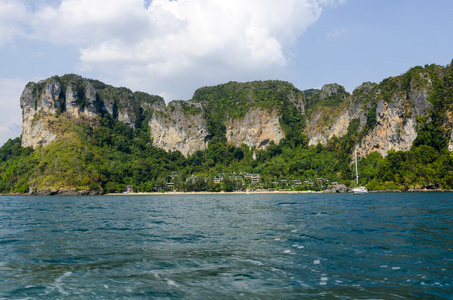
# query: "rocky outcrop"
{"points": [[72, 101], [92, 106], [64, 192], [395, 124], [82, 100], [180, 127], [396, 121], [297, 101], [334, 89], [450, 142], [50, 99], [256, 129], [37, 101], [339, 188], [393, 131], [338, 129], [332, 120], [77, 97]]}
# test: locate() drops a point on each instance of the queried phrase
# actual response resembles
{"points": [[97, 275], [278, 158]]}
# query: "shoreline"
{"points": [[97, 193], [213, 193], [273, 192]]}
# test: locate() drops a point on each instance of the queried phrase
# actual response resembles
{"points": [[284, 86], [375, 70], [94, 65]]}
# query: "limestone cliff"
{"points": [[257, 129], [394, 131], [37, 101], [250, 112], [77, 98], [331, 115], [387, 114], [180, 127]]}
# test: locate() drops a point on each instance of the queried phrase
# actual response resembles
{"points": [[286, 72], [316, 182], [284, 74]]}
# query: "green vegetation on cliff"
{"points": [[233, 100]]}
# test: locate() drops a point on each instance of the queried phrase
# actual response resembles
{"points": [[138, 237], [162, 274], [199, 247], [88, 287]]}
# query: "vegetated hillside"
{"points": [[97, 151]]}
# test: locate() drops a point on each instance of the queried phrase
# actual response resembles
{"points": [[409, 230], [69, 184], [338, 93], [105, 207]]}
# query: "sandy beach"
{"points": [[213, 193]]}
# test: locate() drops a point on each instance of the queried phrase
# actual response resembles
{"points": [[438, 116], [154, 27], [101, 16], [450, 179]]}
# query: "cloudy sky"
{"points": [[171, 48]]}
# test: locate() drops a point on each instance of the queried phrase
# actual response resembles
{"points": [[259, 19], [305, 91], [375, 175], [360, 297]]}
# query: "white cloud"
{"points": [[85, 22], [173, 47], [12, 15], [11, 120]]}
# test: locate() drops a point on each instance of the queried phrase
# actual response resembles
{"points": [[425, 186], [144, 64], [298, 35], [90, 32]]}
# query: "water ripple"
{"points": [[227, 246]]}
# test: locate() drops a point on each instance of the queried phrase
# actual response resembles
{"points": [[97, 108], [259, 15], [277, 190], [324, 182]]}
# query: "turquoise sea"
{"points": [[249, 246]]}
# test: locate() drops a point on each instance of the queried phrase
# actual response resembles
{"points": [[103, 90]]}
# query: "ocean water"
{"points": [[265, 246]]}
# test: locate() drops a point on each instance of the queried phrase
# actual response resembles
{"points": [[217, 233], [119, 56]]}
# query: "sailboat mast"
{"points": [[356, 169]]}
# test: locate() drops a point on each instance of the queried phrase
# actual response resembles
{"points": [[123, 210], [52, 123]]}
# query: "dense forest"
{"points": [[107, 157]]}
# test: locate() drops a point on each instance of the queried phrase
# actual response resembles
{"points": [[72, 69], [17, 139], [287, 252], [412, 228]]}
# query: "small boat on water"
{"points": [[361, 190], [358, 190]]}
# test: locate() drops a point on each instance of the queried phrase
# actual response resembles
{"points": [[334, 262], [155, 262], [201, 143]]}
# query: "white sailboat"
{"points": [[358, 190]]}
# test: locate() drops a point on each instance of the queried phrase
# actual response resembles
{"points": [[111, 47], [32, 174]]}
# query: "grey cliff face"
{"points": [[334, 121], [393, 130], [450, 143], [338, 124], [395, 127], [256, 129], [78, 99], [297, 101], [173, 129], [50, 99], [35, 106], [27, 100], [331, 89], [92, 108], [396, 122], [72, 101], [158, 105]]}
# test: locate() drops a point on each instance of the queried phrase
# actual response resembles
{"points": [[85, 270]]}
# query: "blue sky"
{"points": [[171, 48]]}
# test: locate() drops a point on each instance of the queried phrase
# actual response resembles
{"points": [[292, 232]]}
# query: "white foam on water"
{"points": [[276, 239], [153, 272], [324, 278], [58, 283], [171, 283], [294, 231], [396, 268], [255, 262], [287, 251], [317, 262], [397, 296], [323, 283], [303, 284], [300, 247], [384, 266], [295, 245], [106, 286]]}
